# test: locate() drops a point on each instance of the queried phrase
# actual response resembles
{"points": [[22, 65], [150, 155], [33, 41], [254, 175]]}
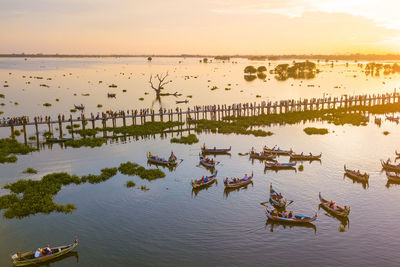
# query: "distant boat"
{"points": [[80, 107]]}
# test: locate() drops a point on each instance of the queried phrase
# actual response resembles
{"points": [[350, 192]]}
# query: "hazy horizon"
{"points": [[211, 27]]}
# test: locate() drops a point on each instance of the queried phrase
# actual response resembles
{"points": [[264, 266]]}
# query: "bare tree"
{"points": [[161, 82]]}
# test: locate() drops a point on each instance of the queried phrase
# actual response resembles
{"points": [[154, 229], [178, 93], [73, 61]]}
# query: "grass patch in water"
{"points": [[32, 138], [73, 110], [224, 127], [47, 105], [144, 188], [301, 168], [11, 146], [386, 133], [130, 184], [30, 170], [131, 169], [99, 105], [313, 130], [86, 142], [190, 139]]}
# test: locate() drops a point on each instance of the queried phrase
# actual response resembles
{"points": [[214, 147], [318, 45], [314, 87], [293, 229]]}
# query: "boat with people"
{"points": [[277, 151], [286, 217], [79, 107], [278, 165], [333, 208], [238, 182], [205, 150], [261, 155], [390, 167], [42, 254], [172, 160], [276, 199], [303, 156], [57, 140], [206, 162], [356, 174], [204, 181], [393, 176], [110, 95]]}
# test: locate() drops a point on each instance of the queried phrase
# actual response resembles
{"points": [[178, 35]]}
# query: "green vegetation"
{"points": [[250, 70], [85, 94], [11, 146], [99, 105], [29, 197], [190, 139], [47, 104], [144, 188], [73, 110], [47, 135], [32, 138], [124, 91], [141, 98], [113, 86], [86, 142], [130, 183], [17, 132], [385, 132], [313, 130], [299, 70], [30, 170], [261, 69], [131, 169], [214, 88], [2, 96], [57, 100]]}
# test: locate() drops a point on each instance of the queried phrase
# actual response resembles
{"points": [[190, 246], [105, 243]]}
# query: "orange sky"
{"points": [[200, 27]]}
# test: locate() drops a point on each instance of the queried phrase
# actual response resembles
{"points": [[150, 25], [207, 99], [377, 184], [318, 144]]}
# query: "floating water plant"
{"points": [[2, 96], [30, 171], [190, 139], [17, 132], [313, 130], [86, 142], [385, 133], [141, 98], [131, 169], [11, 146], [144, 188], [47, 104], [214, 88], [73, 110], [99, 105], [113, 86], [130, 183], [301, 168]]}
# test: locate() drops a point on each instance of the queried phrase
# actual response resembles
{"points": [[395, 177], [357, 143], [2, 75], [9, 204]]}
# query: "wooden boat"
{"points": [[393, 177], [263, 156], [298, 219], [182, 102], [79, 107], [207, 162], [339, 211], [390, 167], [210, 179], [275, 200], [214, 150], [356, 175], [29, 257], [161, 161], [294, 156], [277, 151], [111, 95], [277, 165], [239, 183]]}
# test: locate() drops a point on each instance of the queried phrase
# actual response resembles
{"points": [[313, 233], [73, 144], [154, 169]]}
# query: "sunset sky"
{"points": [[200, 27]]}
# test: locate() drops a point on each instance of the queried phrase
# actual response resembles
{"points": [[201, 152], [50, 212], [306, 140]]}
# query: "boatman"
{"points": [[16, 255]]}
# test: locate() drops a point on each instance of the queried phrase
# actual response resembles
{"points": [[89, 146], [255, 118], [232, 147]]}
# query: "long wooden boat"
{"points": [[79, 107], [238, 183], [294, 156], [275, 200], [277, 165], [210, 179], [277, 151], [263, 156], [339, 211], [393, 177], [29, 257], [355, 174], [390, 167], [57, 140], [298, 219], [111, 95], [214, 150], [161, 161], [207, 162]]}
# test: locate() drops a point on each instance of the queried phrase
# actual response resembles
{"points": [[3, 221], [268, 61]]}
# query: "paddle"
{"points": [[291, 201]]}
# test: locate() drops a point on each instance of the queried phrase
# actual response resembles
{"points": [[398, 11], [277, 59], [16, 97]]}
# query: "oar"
{"points": [[291, 201]]}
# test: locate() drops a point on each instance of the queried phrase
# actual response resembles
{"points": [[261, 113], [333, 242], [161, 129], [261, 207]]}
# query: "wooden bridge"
{"points": [[213, 112]]}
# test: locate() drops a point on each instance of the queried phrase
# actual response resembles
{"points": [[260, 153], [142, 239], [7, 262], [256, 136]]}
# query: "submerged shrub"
{"points": [[30, 170], [313, 130], [190, 139], [130, 184]]}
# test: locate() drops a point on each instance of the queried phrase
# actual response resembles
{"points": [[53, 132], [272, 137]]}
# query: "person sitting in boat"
{"points": [[284, 214], [260, 154], [334, 206], [245, 178], [202, 179], [310, 154], [16, 255], [226, 180], [172, 157], [204, 146], [274, 213], [301, 154], [205, 179], [291, 214], [38, 253], [47, 250]]}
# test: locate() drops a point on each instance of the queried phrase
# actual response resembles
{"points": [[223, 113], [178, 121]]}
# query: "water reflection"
{"points": [[228, 191], [272, 224], [344, 222], [279, 170], [63, 257], [365, 184], [195, 191]]}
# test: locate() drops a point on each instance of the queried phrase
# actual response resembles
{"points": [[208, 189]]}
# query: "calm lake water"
{"points": [[169, 225]]}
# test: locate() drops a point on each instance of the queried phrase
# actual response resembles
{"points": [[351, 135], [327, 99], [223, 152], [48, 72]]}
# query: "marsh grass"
{"points": [[386, 133], [130, 184], [131, 169], [190, 139], [47, 105], [30, 171], [313, 130], [10, 146], [86, 142]]}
